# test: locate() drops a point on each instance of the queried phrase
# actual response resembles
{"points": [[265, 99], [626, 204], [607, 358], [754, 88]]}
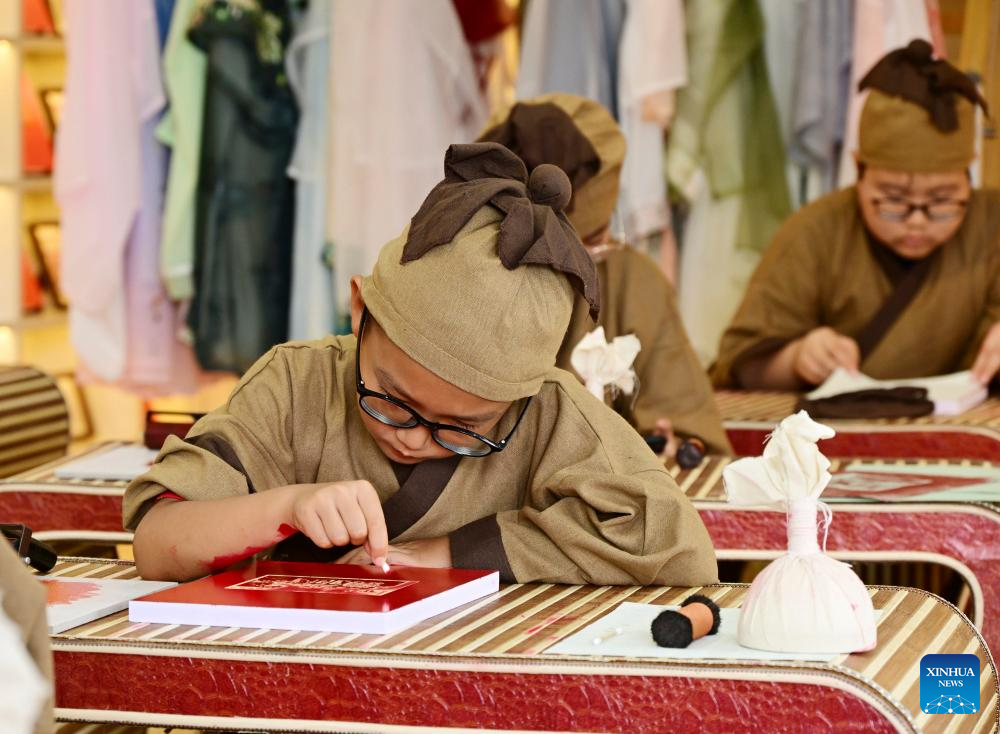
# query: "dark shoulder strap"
{"points": [[415, 496], [907, 284]]}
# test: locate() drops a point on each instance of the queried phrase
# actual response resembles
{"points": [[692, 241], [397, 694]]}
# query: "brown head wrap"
{"points": [[579, 136], [919, 116], [479, 288]]}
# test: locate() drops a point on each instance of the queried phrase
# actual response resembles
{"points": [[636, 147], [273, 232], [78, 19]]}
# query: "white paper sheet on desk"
{"points": [[636, 641], [122, 464]]}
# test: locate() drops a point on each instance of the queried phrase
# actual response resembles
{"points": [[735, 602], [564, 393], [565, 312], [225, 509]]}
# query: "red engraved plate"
{"points": [[318, 586]]}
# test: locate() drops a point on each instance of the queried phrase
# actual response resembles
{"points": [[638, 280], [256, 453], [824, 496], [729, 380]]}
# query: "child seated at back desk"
{"points": [[440, 433], [673, 397], [898, 276]]}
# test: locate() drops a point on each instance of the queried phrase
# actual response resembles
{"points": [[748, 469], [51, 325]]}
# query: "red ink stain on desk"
{"points": [[67, 592]]}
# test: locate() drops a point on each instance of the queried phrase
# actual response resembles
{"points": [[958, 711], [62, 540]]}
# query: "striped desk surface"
{"points": [[771, 407], [43, 478], [519, 622], [704, 482]]}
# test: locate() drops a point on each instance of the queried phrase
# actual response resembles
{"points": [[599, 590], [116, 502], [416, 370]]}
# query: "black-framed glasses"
{"points": [[899, 210], [394, 412]]}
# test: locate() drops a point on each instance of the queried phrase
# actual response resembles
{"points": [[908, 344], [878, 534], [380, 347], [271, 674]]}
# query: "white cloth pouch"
{"points": [[804, 601]]}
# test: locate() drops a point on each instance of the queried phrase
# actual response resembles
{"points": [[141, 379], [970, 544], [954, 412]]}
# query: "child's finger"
{"points": [[378, 534]]}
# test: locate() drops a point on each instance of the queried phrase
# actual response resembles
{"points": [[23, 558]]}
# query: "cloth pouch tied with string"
{"points": [[804, 601], [602, 364]]}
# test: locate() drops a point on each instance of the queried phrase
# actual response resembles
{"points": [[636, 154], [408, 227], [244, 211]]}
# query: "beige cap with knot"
{"points": [[575, 133], [920, 114], [479, 288]]}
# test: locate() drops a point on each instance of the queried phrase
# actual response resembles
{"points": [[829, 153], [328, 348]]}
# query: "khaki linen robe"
{"points": [[576, 497], [23, 599], [820, 271], [637, 299]]}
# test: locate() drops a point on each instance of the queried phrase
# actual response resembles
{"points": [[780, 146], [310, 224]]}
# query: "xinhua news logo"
{"points": [[949, 684]]}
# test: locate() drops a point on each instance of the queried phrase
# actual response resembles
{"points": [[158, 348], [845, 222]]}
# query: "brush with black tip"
{"points": [[697, 617]]}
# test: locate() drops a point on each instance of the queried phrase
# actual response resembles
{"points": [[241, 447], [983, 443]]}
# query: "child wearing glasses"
{"points": [[897, 276], [440, 433]]}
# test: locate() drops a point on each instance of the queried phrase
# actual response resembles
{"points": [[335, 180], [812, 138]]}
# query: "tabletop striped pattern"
{"points": [[771, 407], [704, 482], [44, 477], [522, 620]]}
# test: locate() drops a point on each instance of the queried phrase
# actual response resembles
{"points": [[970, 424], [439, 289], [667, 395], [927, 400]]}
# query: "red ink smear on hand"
{"points": [[67, 592], [220, 562]]}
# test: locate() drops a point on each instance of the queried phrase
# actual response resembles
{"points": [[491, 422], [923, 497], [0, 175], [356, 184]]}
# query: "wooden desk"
{"points": [[65, 508], [481, 667], [964, 536], [749, 416]]}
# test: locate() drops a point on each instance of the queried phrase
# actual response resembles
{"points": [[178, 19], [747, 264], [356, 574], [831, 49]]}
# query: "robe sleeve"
{"points": [[672, 382], [783, 300], [242, 447], [991, 313], [22, 602], [599, 509]]}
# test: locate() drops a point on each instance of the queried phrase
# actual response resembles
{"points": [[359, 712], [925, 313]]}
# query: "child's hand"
{"points": [[821, 351], [666, 429], [988, 361], [342, 513], [426, 553]]}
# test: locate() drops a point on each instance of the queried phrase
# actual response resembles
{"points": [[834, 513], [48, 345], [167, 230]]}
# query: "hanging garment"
{"points": [[112, 89], [164, 14], [725, 157], [822, 88], [311, 313], [157, 362], [980, 55], [490, 28], [184, 79], [879, 27], [402, 89], [122, 324], [572, 46], [782, 25], [246, 202], [652, 64]]}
